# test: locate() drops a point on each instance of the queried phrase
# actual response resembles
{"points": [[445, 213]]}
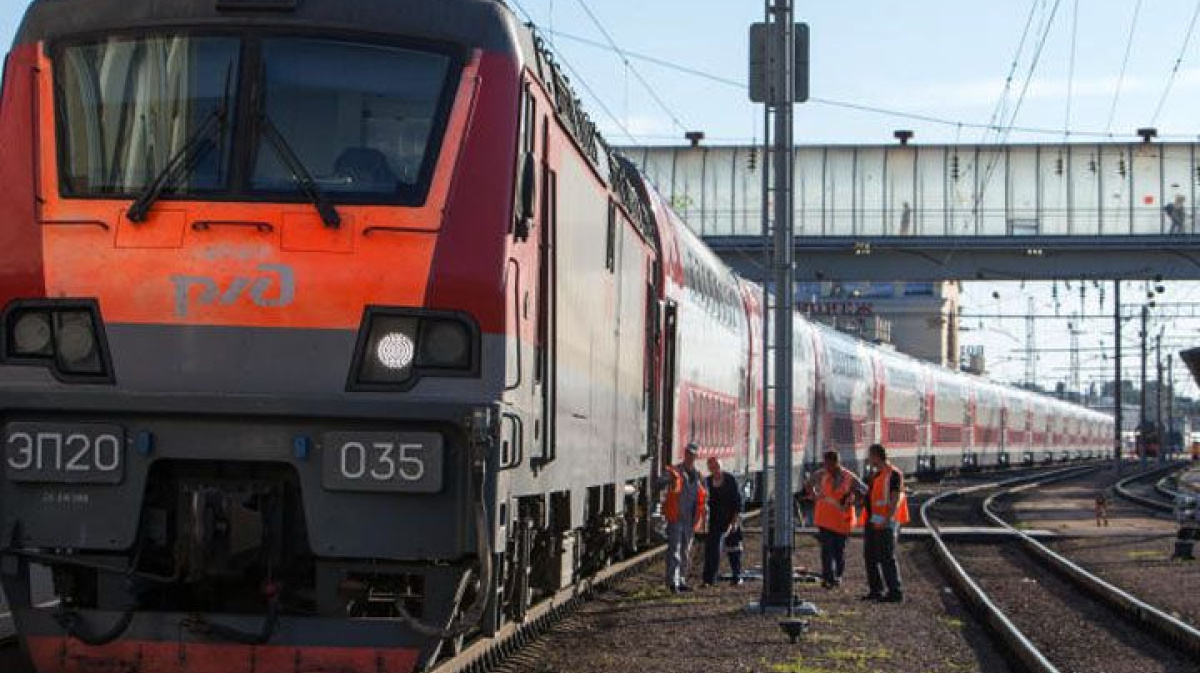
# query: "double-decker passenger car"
{"points": [[333, 333]]}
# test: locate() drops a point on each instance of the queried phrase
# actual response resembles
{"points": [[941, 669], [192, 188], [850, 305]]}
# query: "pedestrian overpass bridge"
{"points": [[950, 212]]}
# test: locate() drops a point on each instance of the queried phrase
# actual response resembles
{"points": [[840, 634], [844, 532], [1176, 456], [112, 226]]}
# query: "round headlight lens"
{"points": [[445, 344], [395, 351], [76, 338], [31, 335]]}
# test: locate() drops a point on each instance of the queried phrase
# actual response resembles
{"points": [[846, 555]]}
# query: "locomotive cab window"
{"points": [[359, 117], [251, 116], [128, 107]]}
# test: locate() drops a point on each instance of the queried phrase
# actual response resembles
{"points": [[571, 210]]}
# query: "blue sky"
{"points": [[943, 58]]}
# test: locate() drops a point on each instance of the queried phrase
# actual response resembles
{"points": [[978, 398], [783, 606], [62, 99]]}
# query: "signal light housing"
{"points": [[67, 337], [397, 347]]}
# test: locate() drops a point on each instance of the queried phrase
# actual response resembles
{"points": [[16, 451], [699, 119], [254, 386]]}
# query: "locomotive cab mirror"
{"points": [[527, 204]]}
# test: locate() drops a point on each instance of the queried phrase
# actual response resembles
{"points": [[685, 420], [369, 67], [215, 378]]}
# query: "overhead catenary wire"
{"points": [[679, 125], [850, 105], [1006, 132], [1071, 68], [1112, 111], [1187, 39], [582, 82], [998, 112]]}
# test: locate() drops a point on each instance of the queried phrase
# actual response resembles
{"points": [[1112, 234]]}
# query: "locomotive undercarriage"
{"points": [[544, 553], [223, 551]]}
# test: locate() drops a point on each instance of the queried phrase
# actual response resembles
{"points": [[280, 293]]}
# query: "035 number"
{"points": [[382, 461]]}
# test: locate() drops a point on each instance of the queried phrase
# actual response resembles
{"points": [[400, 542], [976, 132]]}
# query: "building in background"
{"points": [[920, 319]]}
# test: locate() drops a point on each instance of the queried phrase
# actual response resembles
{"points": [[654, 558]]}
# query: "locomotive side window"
{"points": [[128, 107], [356, 131]]}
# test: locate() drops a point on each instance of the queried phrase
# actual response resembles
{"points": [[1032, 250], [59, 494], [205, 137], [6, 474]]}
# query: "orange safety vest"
{"points": [[833, 512], [881, 505], [674, 489]]}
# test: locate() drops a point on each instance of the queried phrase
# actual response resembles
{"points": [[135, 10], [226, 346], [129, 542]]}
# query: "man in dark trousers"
{"points": [[886, 509], [724, 510], [834, 489]]}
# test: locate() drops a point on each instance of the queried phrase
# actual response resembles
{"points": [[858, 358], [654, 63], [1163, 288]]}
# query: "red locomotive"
{"points": [[333, 333]]}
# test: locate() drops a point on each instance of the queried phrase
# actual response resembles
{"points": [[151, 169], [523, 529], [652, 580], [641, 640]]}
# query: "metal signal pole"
{"points": [[1118, 402], [1171, 399], [1158, 397], [777, 585], [1142, 420], [778, 80]]}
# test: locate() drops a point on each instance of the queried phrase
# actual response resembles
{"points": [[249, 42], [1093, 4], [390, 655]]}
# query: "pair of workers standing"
{"points": [[687, 499], [836, 491]]}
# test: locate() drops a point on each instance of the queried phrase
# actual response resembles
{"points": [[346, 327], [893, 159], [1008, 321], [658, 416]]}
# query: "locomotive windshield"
{"points": [[126, 107], [363, 119]]}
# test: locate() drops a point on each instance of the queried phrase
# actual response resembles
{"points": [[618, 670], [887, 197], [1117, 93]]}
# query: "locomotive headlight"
{"points": [[32, 336], [398, 346], [390, 350], [395, 351], [445, 344], [75, 336], [76, 340], [64, 335]]}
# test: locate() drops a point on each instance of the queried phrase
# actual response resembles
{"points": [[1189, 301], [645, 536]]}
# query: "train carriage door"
{"points": [[670, 328], [874, 429], [652, 366], [546, 372]]}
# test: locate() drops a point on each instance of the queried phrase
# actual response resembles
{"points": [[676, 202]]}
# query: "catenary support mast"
{"points": [[780, 17]]}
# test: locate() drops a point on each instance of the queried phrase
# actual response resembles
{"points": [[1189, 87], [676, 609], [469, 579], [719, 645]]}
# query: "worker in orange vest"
{"points": [[683, 508], [834, 489], [885, 511]]}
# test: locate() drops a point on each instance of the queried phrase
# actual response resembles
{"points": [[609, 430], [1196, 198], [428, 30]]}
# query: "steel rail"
{"points": [[1011, 637], [1173, 629], [487, 653], [1122, 489]]}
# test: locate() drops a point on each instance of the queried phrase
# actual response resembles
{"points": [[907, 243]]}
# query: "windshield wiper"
{"points": [[300, 174], [180, 165]]}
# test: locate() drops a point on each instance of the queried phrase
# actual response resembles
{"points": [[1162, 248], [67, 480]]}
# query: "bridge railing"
{"points": [[1049, 190]]}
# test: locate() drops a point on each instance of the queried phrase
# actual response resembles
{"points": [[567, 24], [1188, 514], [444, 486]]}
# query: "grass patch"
{"points": [[647, 594], [682, 600], [824, 638], [1146, 555], [800, 667], [859, 657]]}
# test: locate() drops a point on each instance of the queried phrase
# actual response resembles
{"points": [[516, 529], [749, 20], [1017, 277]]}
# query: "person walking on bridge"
{"points": [[886, 510], [683, 509], [834, 489]]}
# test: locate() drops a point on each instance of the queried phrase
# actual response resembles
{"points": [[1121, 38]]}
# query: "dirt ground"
{"points": [[639, 626], [1134, 552]]}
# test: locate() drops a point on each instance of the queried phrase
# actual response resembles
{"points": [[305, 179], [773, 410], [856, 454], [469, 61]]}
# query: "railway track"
{"points": [[1162, 497], [1049, 613], [486, 654]]}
